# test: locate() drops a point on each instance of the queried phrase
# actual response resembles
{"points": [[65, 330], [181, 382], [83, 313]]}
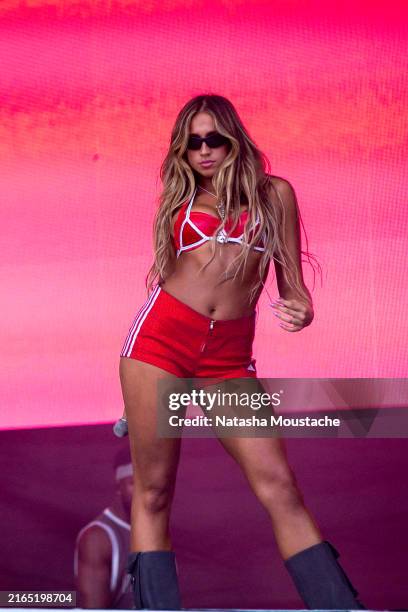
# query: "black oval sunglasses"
{"points": [[213, 141]]}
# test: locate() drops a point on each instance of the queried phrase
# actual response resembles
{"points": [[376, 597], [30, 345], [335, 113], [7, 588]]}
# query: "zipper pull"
{"points": [[212, 323]]}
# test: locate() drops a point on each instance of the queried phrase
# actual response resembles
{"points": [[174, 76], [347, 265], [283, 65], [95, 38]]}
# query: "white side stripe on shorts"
{"points": [[137, 323]]}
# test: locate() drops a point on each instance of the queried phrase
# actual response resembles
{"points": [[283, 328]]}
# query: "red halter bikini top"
{"points": [[190, 234]]}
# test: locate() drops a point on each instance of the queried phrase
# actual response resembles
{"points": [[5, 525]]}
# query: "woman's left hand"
{"points": [[295, 315]]}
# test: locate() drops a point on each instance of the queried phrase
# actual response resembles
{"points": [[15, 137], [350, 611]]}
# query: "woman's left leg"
{"points": [[311, 561], [265, 465]]}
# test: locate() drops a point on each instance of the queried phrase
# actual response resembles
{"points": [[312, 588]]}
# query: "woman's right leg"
{"points": [[155, 460], [151, 562]]}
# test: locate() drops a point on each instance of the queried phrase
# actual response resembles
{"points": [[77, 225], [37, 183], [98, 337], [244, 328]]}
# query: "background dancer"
{"points": [[102, 546]]}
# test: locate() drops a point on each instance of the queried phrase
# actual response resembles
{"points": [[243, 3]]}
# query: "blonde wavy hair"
{"points": [[244, 176]]}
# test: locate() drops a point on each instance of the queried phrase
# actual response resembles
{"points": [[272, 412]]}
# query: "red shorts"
{"points": [[173, 336]]}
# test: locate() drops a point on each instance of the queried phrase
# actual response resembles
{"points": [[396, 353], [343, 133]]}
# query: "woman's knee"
{"points": [[154, 497], [155, 462], [278, 488], [154, 488]]}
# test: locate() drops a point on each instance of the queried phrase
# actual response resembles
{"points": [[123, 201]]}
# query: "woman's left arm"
{"points": [[294, 311]]}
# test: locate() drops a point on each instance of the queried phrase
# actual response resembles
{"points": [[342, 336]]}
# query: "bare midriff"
{"points": [[211, 292]]}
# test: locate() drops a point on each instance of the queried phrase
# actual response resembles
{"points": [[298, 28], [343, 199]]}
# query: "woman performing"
{"points": [[220, 221]]}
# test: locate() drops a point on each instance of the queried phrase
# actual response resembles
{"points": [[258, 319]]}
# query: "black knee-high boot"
{"points": [[320, 579], [154, 580]]}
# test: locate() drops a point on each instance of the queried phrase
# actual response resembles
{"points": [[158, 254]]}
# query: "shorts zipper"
{"points": [[211, 326]]}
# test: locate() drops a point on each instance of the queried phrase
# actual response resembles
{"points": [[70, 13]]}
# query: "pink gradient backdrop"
{"points": [[89, 92]]}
